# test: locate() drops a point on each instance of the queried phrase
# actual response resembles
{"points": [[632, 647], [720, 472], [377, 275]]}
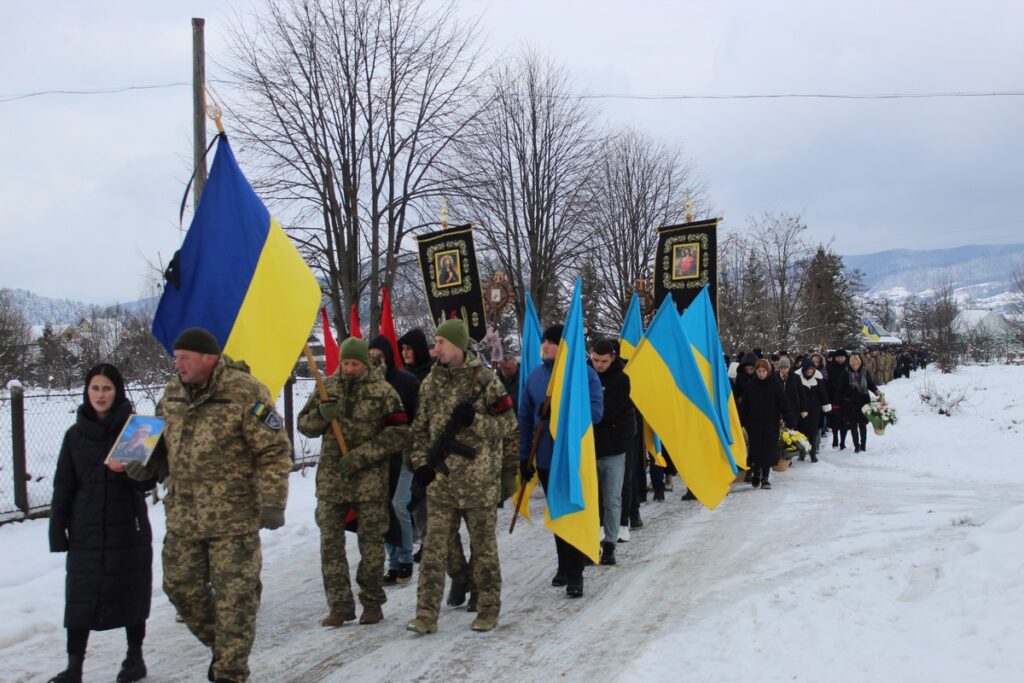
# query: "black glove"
{"points": [[271, 518], [58, 538], [463, 414], [423, 476], [526, 470]]}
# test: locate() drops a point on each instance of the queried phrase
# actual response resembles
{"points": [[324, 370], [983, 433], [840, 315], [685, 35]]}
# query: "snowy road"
{"points": [[905, 563]]}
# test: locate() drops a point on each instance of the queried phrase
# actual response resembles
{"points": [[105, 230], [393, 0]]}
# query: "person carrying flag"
{"points": [[533, 414], [374, 425]]}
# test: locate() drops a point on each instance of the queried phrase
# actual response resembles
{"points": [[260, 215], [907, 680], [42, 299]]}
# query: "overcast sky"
{"points": [[90, 185]]}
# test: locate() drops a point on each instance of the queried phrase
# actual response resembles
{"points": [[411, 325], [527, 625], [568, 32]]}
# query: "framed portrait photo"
{"points": [[686, 261], [138, 439], [447, 268]]}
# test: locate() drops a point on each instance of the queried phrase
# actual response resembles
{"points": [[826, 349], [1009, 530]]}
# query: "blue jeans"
{"points": [[610, 471], [402, 554]]}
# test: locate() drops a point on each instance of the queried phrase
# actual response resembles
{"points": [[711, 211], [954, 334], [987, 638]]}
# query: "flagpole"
{"points": [[198, 108], [335, 427], [545, 412]]}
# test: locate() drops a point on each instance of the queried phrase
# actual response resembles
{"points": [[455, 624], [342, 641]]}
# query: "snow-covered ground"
{"points": [[904, 563]]}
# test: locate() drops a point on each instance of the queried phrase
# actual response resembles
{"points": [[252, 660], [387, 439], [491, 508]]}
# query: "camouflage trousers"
{"points": [[442, 523], [373, 524], [214, 584]]}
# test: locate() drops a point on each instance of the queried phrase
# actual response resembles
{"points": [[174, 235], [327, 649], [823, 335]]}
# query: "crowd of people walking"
{"points": [[407, 455]]}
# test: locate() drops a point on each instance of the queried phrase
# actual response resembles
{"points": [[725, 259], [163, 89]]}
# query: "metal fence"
{"points": [[32, 427]]}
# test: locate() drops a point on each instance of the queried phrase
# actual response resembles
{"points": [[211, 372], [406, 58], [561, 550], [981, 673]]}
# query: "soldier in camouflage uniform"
{"points": [[460, 390], [227, 461], [373, 425]]}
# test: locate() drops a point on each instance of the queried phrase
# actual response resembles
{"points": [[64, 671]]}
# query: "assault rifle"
{"points": [[446, 443]]}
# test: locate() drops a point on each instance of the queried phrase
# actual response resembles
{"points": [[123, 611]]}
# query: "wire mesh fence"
{"points": [[47, 416]]}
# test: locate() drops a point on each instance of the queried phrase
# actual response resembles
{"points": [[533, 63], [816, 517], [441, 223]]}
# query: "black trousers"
{"points": [[570, 560]]}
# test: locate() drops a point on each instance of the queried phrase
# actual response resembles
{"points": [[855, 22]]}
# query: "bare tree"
{"points": [[742, 280], [640, 184], [531, 155], [1015, 317], [778, 240], [932, 321], [882, 312], [352, 107]]}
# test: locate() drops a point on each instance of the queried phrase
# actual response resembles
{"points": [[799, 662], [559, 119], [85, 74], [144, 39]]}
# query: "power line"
{"points": [[597, 96]]}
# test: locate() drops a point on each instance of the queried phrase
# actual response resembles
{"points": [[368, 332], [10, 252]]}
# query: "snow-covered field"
{"points": [[904, 563]]}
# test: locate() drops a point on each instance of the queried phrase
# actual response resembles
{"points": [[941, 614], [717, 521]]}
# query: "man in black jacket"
{"points": [[611, 439]]}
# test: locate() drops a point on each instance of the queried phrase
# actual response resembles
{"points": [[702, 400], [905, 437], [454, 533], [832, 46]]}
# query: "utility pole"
{"points": [[198, 109]]}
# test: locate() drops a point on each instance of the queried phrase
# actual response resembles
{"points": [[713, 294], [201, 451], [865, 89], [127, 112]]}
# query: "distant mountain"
{"points": [[39, 310], [978, 272]]}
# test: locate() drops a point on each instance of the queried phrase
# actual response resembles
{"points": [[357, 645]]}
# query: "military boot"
{"points": [[372, 614], [485, 622], [421, 626], [337, 617]]}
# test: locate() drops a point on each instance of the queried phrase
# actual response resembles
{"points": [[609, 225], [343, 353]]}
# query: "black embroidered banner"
{"points": [[686, 260], [451, 278]]}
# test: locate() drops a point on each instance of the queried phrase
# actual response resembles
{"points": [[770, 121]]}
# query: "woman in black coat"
{"points": [[763, 405], [98, 517], [814, 402], [855, 397]]}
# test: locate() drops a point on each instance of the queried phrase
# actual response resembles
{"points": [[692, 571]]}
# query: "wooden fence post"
{"points": [[18, 447]]}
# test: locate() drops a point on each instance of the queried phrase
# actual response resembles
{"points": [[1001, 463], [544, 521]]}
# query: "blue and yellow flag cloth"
{"points": [[702, 329], [239, 276], [572, 500], [669, 391], [632, 329], [869, 331], [529, 348]]}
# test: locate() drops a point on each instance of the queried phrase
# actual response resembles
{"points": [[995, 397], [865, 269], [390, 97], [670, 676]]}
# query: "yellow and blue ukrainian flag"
{"points": [[572, 483], [629, 338], [239, 276], [702, 329], [529, 352], [669, 391]]}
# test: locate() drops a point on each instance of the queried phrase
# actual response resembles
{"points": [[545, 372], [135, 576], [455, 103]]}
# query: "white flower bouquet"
{"points": [[880, 414]]}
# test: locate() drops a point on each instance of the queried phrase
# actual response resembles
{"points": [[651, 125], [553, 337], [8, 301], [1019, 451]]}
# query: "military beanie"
{"points": [[197, 339], [355, 349], [455, 331]]}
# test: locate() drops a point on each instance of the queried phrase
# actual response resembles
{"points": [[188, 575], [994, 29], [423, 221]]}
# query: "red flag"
{"points": [[330, 346], [354, 323], [387, 325]]}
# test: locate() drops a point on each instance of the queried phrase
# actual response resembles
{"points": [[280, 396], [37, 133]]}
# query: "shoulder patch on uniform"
{"points": [[267, 415], [396, 418]]}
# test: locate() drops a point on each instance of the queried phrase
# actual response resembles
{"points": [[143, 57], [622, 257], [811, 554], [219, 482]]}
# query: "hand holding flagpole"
{"points": [[335, 427]]}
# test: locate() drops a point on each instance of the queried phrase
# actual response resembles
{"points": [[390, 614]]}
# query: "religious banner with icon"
{"points": [[686, 260], [451, 279]]}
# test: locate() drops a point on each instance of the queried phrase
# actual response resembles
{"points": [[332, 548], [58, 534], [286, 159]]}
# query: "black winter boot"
{"points": [[457, 593], [607, 553], [72, 674], [133, 668]]}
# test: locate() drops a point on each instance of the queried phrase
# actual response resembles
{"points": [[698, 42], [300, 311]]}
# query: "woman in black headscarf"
{"points": [[98, 517]]}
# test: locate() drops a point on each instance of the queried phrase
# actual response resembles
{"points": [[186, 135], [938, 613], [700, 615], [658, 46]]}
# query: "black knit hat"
{"points": [[197, 339], [553, 334], [840, 352]]}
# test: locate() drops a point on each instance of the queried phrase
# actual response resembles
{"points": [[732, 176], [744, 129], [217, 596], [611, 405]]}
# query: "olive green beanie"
{"points": [[455, 331], [355, 349]]}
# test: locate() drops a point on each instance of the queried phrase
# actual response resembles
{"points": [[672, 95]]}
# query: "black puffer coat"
{"points": [[99, 518]]}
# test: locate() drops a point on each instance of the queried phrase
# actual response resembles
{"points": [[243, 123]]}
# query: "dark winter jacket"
{"points": [[99, 518], [618, 422], [742, 376], [791, 389], [529, 415], [813, 398], [404, 382], [764, 403], [836, 381], [855, 395], [417, 341], [512, 388]]}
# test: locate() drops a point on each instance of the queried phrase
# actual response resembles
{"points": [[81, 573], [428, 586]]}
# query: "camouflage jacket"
{"points": [[373, 424], [472, 482], [225, 454]]}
